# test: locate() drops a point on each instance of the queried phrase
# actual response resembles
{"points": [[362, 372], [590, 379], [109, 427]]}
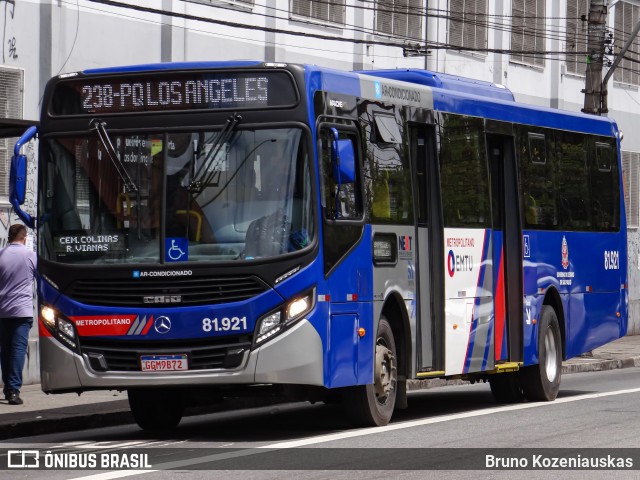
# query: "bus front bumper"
{"points": [[294, 357]]}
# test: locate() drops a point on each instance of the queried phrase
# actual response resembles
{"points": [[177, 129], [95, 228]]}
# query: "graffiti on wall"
{"points": [[10, 44], [7, 215]]}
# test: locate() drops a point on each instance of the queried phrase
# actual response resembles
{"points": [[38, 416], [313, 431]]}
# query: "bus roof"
{"points": [[453, 95], [448, 93], [445, 81]]}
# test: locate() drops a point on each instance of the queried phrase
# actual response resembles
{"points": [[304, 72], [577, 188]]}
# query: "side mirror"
{"points": [[18, 177], [343, 159]]}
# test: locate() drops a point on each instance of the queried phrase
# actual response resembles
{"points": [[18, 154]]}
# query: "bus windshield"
{"points": [[174, 197]]}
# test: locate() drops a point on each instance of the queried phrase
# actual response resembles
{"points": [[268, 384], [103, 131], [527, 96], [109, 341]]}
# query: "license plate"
{"points": [[163, 363]]}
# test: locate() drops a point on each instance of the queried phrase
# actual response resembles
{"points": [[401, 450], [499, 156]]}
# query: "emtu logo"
{"points": [[451, 263], [459, 263]]}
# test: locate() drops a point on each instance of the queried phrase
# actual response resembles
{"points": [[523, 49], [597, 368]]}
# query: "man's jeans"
{"points": [[14, 339]]}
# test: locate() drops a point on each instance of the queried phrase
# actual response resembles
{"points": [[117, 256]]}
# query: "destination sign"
{"points": [[162, 91], [79, 243]]}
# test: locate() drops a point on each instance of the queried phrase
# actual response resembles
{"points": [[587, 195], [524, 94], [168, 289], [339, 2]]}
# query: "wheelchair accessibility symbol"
{"points": [[176, 249]]}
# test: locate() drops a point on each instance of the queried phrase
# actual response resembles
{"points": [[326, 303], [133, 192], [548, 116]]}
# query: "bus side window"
{"points": [[603, 173], [464, 173], [342, 200], [387, 170], [573, 182], [537, 161]]}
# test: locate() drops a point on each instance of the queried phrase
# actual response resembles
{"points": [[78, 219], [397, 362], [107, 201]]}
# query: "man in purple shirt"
{"points": [[17, 272]]}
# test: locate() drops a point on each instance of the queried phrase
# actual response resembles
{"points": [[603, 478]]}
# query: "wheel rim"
{"points": [[551, 362], [385, 371]]}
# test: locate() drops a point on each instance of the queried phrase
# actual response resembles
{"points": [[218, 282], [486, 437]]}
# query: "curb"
{"points": [[66, 420], [600, 365], [582, 366]]}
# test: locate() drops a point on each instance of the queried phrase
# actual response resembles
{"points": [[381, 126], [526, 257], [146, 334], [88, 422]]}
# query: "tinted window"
{"points": [[340, 201], [605, 187], [537, 178], [464, 174], [573, 182], [387, 169]]}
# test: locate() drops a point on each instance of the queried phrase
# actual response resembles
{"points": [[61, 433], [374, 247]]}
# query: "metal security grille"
{"points": [[221, 3], [194, 291], [203, 354], [631, 178], [528, 31], [576, 38], [468, 23], [626, 17], [11, 93], [400, 18], [327, 11]]}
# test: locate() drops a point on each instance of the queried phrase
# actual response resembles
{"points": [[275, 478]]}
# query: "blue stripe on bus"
{"points": [[477, 302], [487, 347]]}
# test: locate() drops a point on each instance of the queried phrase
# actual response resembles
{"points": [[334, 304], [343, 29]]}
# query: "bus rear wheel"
{"points": [[372, 405], [541, 382], [156, 409]]}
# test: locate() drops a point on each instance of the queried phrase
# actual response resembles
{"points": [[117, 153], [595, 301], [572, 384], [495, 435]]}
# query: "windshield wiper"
{"points": [[100, 128], [205, 173]]}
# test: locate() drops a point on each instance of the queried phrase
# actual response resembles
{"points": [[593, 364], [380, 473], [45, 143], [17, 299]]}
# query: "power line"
{"points": [[307, 34], [543, 33]]}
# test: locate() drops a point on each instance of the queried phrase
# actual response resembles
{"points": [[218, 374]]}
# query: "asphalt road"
{"points": [[598, 411]]}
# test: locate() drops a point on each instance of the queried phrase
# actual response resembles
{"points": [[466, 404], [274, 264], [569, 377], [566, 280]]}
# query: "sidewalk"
{"points": [[41, 413]]}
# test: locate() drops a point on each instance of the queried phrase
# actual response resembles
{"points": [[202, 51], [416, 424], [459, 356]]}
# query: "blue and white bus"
{"points": [[214, 229]]}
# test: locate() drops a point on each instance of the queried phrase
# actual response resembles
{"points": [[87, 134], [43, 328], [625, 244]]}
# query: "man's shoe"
{"points": [[14, 399]]}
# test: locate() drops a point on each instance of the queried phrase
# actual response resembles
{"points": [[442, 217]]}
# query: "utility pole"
{"points": [[596, 33]]}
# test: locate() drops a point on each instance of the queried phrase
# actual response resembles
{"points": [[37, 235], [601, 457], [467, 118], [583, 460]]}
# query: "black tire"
{"points": [[506, 387], [155, 409], [541, 382], [372, 405]]}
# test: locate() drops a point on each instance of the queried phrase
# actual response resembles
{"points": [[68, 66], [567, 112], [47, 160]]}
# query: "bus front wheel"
{"points": [[541, 382], [372, 405], [156, 409]]}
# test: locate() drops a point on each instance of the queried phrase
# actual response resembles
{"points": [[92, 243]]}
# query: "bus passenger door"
{"points": [[507, 246], [430, 254]]}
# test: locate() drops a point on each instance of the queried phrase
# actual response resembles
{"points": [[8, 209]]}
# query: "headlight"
{"points": [[49, 317], [66, 327], [61, 328], [299, 307], [269, 326], [274, 322]]}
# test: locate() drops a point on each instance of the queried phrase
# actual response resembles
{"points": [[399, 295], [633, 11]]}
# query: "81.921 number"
{"points": [[225, 324]]}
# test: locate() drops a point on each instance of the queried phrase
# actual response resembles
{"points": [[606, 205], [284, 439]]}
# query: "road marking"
{"points": [[351, 434]]}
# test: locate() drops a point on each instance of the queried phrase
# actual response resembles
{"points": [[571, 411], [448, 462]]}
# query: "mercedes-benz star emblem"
{"points": [[162, 325]]}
